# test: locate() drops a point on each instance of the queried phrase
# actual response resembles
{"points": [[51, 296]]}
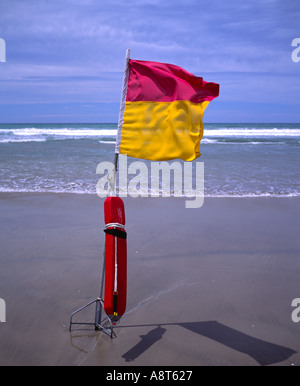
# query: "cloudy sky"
{"points": [[64, 58]]}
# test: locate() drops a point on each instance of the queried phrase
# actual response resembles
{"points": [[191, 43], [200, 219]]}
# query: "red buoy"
{"points": [[115, 290]]}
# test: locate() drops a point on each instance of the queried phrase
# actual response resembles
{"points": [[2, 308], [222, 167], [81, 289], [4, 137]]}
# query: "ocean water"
{"points": [[240, 160]]}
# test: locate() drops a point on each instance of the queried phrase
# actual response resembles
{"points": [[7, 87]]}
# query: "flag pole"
{"points": [[122, 109]]}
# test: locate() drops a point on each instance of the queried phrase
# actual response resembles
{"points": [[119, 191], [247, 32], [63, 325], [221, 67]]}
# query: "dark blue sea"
{"points": [[240, 160]]}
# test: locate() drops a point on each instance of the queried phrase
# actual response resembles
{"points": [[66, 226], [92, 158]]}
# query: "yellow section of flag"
{"points": [[161, 131]]}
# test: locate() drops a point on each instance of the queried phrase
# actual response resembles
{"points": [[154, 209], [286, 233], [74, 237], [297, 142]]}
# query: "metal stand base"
{"points": [[104, 325]]}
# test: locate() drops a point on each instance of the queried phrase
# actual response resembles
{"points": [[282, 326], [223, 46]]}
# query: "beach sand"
{"points": [[209, 286]]}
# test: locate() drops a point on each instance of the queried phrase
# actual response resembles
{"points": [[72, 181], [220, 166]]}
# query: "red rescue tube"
{"points": [[115, 290]]}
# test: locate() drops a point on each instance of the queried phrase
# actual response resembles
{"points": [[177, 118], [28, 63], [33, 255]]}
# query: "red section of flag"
{"points": [[161, 82]]}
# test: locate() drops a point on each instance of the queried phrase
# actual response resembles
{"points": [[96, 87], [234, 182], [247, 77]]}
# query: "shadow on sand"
{"points": [[145, 343], [263, 352]]}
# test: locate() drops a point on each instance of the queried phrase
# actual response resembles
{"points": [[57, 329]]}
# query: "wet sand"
{"points": [[209, 286]]}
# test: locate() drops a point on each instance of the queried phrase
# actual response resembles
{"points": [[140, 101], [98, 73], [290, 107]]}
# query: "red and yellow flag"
{"points": [[163, 112]]}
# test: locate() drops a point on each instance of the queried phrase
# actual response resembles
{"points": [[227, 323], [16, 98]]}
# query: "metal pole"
{"points": [[123, 102], [98, 315], [116, 161]]}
